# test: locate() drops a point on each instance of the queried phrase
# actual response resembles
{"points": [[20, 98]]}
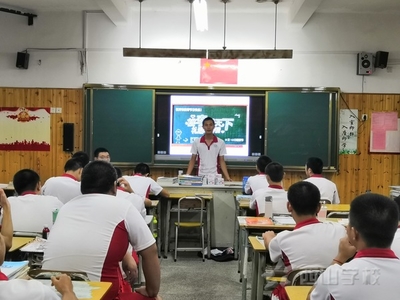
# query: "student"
{"points": [[209, 150], [274, 175], [396, 240], [31, 211], [258, 181], [66, 186], [374, 271], [102, 154], [143, 185], [82, 157], [311, 243], [326, 187], [6, 222], [125, 191], [93, 231]]}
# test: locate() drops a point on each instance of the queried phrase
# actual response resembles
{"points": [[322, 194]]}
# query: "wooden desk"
{"points": [[259, 261], [338, 207], [102, 288], [297, 292], [19, 242]]}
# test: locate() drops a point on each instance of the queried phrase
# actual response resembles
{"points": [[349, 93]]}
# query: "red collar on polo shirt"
{"points": [[275, 186], [120, 188], [69, 176], [3, 276], [28, 193], [137, 174], [261, 173], [203, 139], [306, 222], [316, 175], [376, 252]]}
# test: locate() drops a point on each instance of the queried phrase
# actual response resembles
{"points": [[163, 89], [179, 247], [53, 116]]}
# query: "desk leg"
{"points": [[254, 278], [244, 265], [167, 226], [209, 205], [260, 270], [236, 231]]}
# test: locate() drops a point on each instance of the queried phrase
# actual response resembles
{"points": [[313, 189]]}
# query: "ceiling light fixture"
{"points": [[210, 54], [200, 14]]}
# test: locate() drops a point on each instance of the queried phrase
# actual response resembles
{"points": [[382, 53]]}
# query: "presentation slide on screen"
{"points": [[230, 113]]}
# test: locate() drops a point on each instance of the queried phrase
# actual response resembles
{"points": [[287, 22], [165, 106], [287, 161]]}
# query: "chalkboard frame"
{"points": [[332, 165]]}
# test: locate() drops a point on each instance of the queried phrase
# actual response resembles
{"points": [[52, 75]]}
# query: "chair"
{"points": [[188, 205], [307, 276], [325, 201], [338, 214]]}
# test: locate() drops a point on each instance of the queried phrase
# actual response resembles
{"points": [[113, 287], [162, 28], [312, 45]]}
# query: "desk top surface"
{"points": [[231, 185], [254, 225], [297, 292], [97, 294], [18, 242], [245, 203], [256, 244], [190, 194]]}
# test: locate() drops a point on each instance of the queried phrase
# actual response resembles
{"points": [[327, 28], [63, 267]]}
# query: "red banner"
{"points": [[220, 71]]}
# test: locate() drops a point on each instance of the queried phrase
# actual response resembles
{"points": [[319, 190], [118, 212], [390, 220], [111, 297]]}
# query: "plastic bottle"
{"points": [[55, 213], [322, 212], [45, 232], [155, 234], [268, 207]]}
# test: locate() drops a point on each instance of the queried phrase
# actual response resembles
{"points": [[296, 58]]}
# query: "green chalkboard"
{"points": [[301, 125], [122, 122]]}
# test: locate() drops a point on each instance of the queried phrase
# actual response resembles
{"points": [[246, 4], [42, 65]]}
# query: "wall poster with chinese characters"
{"points": [[348, 131], [25, 128], [385, 132]]}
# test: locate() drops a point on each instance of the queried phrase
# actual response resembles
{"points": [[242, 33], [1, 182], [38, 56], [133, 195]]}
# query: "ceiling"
{"points": [[326, 6]]}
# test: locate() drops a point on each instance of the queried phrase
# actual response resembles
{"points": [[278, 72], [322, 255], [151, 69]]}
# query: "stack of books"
{"points": [[167, 180], [190, 180], [12, 269]]}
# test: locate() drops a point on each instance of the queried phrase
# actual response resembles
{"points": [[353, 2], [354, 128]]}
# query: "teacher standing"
{"points": [[209, 150]]}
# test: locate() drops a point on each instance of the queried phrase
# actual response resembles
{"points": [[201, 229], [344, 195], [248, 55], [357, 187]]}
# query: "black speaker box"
{"points": [[22, 60], [68, 137], [365, 64], [381, 59]]}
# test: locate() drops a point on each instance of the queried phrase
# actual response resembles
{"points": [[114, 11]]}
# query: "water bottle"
{"points": [[245, 178], [268, 207], [322, 212], [55, 213], [45, 232]]}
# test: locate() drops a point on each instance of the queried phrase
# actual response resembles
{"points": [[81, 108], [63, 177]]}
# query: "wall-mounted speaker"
{"points": [[365, 63], [381, 59], [68, 137], [22, 60]]}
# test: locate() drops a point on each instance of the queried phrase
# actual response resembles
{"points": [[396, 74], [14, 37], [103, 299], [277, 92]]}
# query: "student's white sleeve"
{"points": [[247, 187], [336, 199], [320, 291], [274, 249], [140, 235], [253, 202], [155, 188]]}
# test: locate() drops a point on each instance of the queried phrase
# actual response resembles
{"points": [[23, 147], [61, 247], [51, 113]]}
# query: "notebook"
{"points": [[259, 221], [284, 220], [10, 268]]}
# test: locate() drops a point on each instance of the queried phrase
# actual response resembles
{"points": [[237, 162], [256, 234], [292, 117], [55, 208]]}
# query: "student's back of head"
{"points": [[142, 168], [304, 198], [376, 218], [274, 171], [315, 164], [72, 164], [98, 177], [262, 162], [397, 201], [82, 157], [26, 180]]}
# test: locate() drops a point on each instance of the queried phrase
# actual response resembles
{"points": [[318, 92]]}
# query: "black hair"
{"points": [[25, 180], [397, 201], [275, 171], [98, 177], [304, 197], [72, 164], [262, 162], [315, 164], [98, 150], [208, 119], [376, 218], [119, 172], [142, 168], [82, 156]]}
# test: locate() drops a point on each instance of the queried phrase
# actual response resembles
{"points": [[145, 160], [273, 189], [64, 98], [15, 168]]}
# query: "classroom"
{"points": [[77, 70]]}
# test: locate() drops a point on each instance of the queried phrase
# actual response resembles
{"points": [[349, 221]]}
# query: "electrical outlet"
{"points": [[52, 110], [59, 110], [364, 117]]}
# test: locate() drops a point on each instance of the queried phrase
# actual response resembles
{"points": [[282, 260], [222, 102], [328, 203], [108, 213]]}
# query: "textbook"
{"points": [[259, 221], [10, 268]]}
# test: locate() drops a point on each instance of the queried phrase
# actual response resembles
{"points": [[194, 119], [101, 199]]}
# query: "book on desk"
{"points": [[259, 221], [11, 268]]}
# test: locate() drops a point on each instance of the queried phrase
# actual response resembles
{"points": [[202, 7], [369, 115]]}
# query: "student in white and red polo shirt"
{"points": [[326, 187], [258, 181], [396, 240], [311, 243], [274, 174], [375, 270], [209, 151], [66, 186]]}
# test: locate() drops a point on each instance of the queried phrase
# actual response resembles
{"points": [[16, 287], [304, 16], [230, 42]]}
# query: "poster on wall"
{"points": [[25, 128], [348, 129], [219, 71], [385, 132]]}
